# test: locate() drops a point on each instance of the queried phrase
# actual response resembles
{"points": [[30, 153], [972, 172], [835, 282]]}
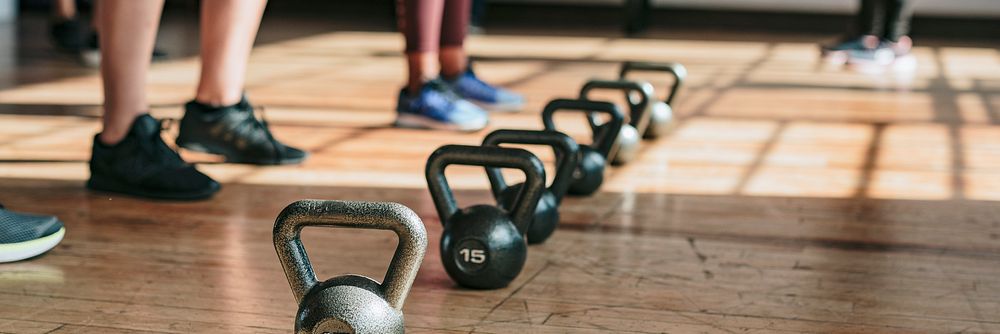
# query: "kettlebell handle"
{"points": [[483, 156], [565, 149], [364, 215], [678, 70], [602, 141], [639, 113]]}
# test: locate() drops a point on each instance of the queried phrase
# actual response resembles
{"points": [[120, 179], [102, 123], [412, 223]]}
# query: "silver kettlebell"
{"points": [[661, 114], [349, 303], [626, 147]]}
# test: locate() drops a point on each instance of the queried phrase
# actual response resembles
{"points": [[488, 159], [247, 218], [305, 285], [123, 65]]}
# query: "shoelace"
{"points": [[443, 97], [478, 87], [251, 124], [158, 150]]}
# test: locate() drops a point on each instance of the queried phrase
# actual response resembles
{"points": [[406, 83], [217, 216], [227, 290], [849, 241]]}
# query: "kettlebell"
{"points": [[349, 303], [483, 246], [661, 115], [589, 172], [546, 215], [626, 146]]}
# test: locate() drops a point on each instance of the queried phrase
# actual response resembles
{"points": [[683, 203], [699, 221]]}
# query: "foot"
{"points": [[24, 235], [234, 132], [68, 34], [143, 165], [437, 107], [490, 97]]}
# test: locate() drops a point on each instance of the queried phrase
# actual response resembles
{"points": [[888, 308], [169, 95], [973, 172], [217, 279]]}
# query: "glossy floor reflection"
{"points": [[791, 197]]}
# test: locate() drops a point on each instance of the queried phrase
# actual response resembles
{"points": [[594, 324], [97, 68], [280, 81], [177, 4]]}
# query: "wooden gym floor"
{"points": [[792, 196]]}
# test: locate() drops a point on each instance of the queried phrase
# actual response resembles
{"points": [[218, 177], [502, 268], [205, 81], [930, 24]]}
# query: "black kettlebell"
{"points": [[546, 215], [349, 303], [483, 246], [661, 115], [589, 173], [626, 146]]}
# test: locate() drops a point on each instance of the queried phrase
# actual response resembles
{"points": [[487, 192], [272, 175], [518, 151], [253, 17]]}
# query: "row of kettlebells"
{"points": [[483, 246]]}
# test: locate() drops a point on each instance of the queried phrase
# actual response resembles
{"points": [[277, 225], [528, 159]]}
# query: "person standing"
{"points": [[442, 91], [129, 155], [880, 34]]}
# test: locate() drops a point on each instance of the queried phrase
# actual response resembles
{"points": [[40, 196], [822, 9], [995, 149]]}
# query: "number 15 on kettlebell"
{"points": [[483, 246]]}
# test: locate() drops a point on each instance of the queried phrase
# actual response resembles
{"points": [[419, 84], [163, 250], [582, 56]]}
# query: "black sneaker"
{"points": [[143, 165], [68, 35], [234, 132], [24, 235]]}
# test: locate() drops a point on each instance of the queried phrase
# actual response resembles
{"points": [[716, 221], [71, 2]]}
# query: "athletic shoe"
{"points": [[234, 132], [902, 47], [68, 35], [840, 51], [90, 54], [24, 236], [143, 165], [888, 55], [882, 55], [437, 107], [903, 61], [490, 97]]}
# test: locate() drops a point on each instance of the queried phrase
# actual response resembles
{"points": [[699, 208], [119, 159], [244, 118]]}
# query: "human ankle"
{"points": [[110, 138]]}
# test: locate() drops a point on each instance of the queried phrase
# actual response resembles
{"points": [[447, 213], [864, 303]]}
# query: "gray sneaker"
{"points": [[25, 235]]}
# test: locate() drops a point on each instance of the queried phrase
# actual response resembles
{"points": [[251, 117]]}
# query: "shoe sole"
{"points": [[31, 248], [420, 122], [111, 186], [501, 107], [197, 147]]}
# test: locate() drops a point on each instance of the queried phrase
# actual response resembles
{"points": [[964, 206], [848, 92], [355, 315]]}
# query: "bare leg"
{"points": [[128, 31], [421, 67], [228, 30], [453, 61]]}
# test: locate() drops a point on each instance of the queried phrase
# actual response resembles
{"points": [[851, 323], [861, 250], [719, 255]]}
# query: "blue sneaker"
{"points": [[493, 98], [25, 236], [437, 107]]}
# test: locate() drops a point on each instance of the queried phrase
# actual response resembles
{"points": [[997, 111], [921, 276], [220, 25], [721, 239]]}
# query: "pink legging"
{"points": [[433, 24]]}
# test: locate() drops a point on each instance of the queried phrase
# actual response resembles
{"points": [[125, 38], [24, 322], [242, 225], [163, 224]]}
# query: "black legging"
{"points": [[889, 19]]}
